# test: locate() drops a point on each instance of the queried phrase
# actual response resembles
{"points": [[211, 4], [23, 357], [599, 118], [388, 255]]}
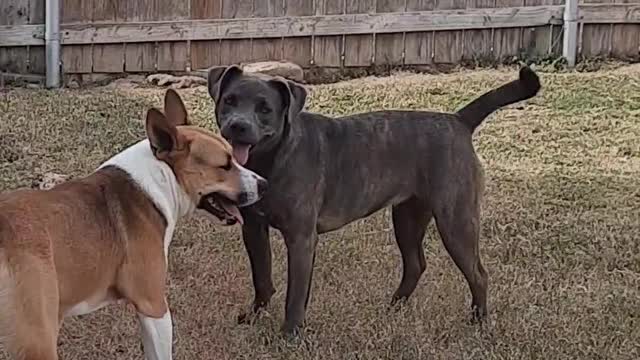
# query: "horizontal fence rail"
{"points": [[346, 24], [324, 25]]}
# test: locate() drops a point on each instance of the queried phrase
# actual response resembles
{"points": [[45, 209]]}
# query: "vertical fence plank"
{"points": [[36, 11], [327, 50], [536, 41], [596, 37], [37, 61], [140, 57], [206, 53], [390, 47], [173, 55], [478, 44], [236, 51], [449, 45], [418, 46], [556, 39], [109, 58], [76, 58], [626, 39], [358, 49], [555, 47], [267, 49], [14, 12], [507, 40], [298, 49], [14, 59]]}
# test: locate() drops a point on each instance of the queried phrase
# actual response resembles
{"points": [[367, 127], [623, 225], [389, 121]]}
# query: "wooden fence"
{"points": [[114, 36]]}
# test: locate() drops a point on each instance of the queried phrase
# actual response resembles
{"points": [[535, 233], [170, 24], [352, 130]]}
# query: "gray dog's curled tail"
{"points": [[525, 87]]}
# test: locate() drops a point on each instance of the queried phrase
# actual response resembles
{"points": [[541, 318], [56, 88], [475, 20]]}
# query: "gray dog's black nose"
{"points": [[238, 128], [262, 186]]}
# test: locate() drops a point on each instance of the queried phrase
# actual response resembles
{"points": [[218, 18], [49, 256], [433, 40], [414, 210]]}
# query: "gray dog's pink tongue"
{"points": [[241, 153]]}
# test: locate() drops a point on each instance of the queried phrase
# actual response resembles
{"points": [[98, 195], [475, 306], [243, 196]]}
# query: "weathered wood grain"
{"points": [[298, 49], [327, 50], [358, 49], [625, 39], [205, 53], [418, 46], [267, 49], [236, 51], [102, 33], [389, 46]]}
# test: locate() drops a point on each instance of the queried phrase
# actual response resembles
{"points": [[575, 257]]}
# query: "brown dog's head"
{"points": [[202, 162]]}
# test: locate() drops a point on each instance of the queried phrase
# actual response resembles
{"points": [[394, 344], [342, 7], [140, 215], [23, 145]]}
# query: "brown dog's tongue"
{"points": [[234, 211], [241, 153]]}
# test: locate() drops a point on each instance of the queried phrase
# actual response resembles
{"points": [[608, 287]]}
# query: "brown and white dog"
{"points": [[91, 241]]}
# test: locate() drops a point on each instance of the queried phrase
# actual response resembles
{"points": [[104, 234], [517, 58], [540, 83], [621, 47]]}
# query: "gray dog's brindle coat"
{"points": [[324, 173]]}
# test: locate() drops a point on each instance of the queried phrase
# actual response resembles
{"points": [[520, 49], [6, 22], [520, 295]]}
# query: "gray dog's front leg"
{"points": [[255, 234], [301, 257]]}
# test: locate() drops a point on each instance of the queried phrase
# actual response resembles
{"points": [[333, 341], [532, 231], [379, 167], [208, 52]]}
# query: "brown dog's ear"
{"points": [[293, 94], [174, 108], [162, 134], [219, 77]]}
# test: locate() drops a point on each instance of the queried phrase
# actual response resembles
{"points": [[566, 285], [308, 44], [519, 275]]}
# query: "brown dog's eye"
{"points": [[230, 100]]}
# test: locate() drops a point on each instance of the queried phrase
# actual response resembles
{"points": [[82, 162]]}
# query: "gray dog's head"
{"points": [[253, 110]]}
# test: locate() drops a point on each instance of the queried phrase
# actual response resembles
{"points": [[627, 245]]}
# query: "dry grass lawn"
{"points": [[560, 234]]}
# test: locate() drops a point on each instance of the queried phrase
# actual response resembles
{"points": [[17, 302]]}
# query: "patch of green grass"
{"points": [[560, 230]]}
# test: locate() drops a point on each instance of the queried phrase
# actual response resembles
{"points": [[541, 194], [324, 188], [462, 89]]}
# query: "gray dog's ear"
{"points": [[294, 95], [219, 77]]}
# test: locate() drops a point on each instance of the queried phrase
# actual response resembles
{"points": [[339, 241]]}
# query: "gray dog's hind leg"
{"points": [[255, 234], [410, 221], [459, 226]]}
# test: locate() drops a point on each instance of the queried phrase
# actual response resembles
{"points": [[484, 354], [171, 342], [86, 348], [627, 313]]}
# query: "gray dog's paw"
{"points": [[478, 315], [292, 333], [251, 316], [246, 318], [397, 303]]}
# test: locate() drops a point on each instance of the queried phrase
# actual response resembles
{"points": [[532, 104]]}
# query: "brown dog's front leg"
{"points": [[255, 234], [301, 258]]}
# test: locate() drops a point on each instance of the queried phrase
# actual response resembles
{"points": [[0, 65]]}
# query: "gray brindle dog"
{"points": [[327, 172]]}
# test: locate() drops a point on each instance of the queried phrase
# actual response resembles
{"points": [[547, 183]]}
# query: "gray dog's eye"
{"points": [[265, 109]]}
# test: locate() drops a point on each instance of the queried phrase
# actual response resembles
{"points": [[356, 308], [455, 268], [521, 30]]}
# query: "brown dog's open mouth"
{"points": [[222, 208]]}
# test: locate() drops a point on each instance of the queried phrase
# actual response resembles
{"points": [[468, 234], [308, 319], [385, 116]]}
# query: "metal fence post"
{"points": [[52, 43], [570, 38]]}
